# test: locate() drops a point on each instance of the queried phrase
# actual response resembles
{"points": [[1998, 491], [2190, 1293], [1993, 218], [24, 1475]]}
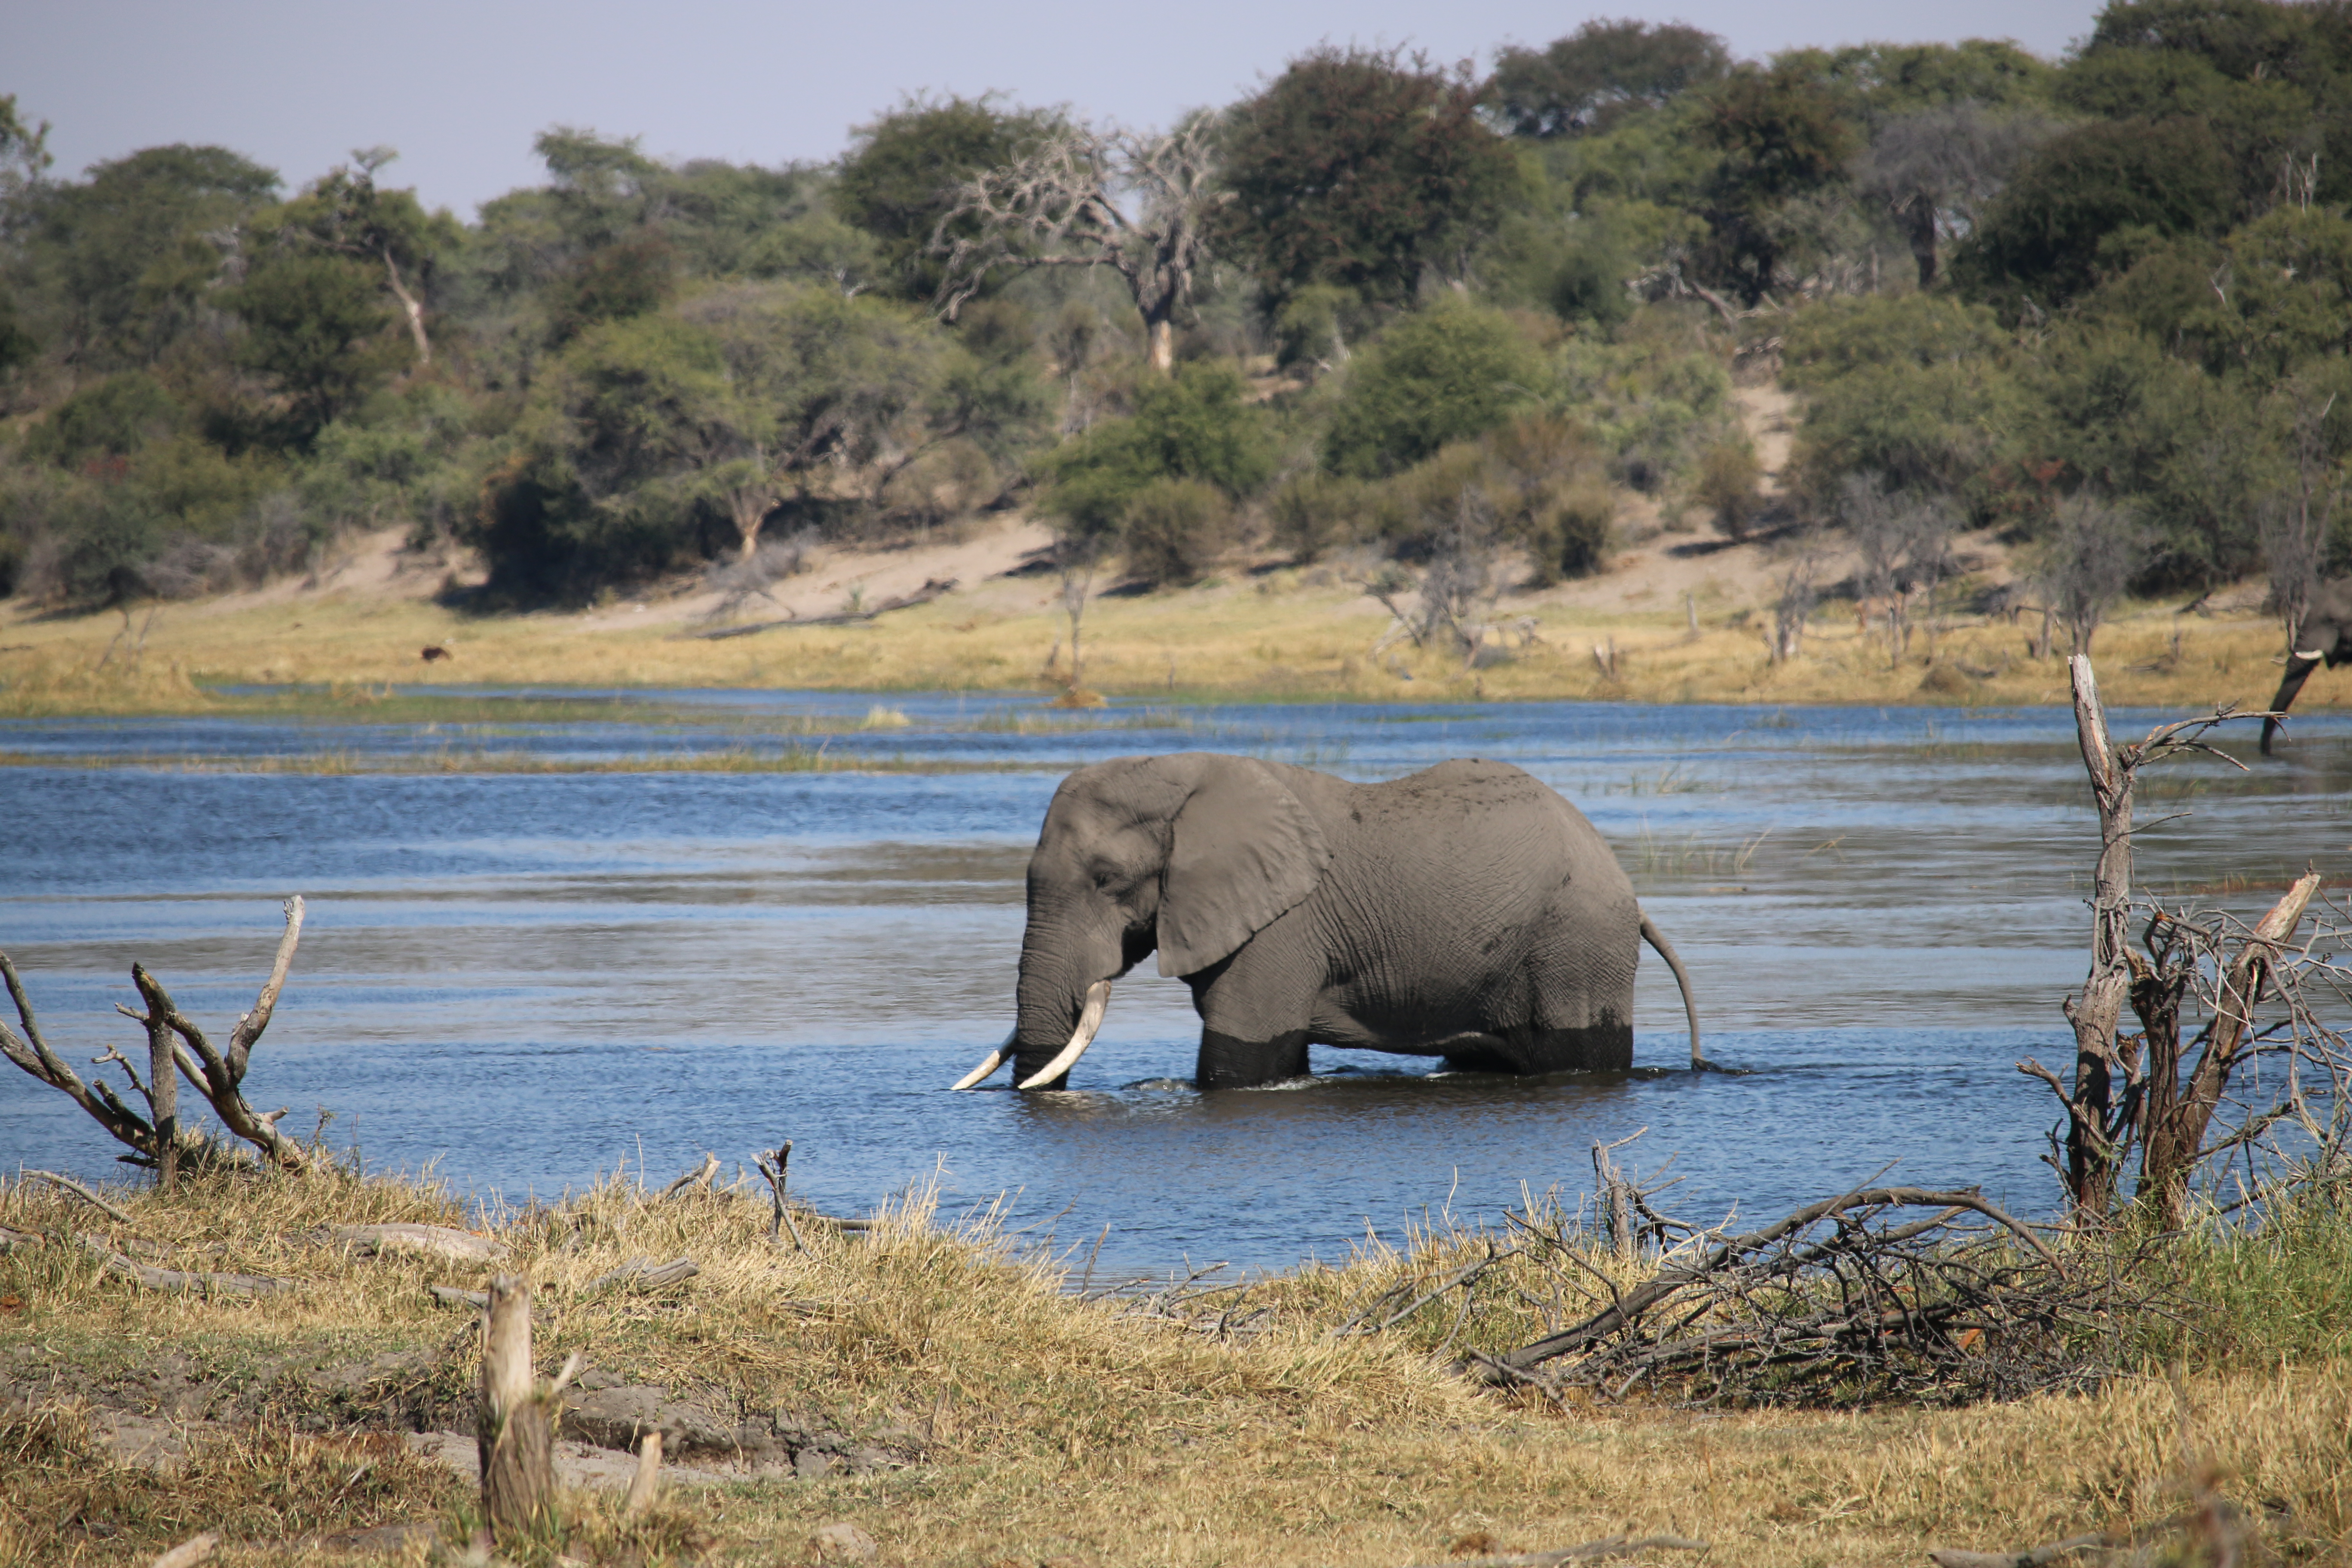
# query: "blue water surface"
{"points": [[521, 980]]}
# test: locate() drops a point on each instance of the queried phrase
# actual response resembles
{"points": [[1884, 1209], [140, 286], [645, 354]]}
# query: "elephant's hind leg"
{"points": [[1229, 1063]]}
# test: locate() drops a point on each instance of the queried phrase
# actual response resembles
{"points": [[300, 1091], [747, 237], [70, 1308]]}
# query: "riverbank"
{"points": [[1265, 631], [958, 1403]]}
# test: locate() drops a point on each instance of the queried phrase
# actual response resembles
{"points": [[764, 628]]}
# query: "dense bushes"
{"points": [[2121, 282]]}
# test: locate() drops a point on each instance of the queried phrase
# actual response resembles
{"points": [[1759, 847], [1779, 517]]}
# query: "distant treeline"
{"points": [[1380, 301]]}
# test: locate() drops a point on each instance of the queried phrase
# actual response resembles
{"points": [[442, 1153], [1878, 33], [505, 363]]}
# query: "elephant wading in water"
{"points": [[1466, 911], [2325, 638]]}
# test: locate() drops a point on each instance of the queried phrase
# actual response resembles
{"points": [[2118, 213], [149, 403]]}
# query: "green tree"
{"points": [[1446, 375], [114, 418], [315, 332], [346, 212], [904, 172], [1782, 137], [1603, 70], [810, 378], [1196, 426], [131, 255], [1362, 168], [2084, 197]]}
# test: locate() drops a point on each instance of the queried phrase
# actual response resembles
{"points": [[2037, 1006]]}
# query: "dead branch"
{"points": [[1589, 1552], [78, 1190], [177, 1280], [932, 589], [220, 1076], [698, 1180], [450, 1296], [31, 1052], [1924, 1308], [10, 1240], [773, 1166]]}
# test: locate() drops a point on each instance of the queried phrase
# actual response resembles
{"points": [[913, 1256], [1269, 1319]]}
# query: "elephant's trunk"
{"points": [[1063, 965], [1090, 1018], [2299, 667]]}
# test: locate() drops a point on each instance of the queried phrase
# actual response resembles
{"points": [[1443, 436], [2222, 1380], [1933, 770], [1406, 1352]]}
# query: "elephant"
{"points": [[2326, 637], [1465, 912]]}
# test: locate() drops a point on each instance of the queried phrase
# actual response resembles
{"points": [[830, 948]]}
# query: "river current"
{"points": [[522, 980]]}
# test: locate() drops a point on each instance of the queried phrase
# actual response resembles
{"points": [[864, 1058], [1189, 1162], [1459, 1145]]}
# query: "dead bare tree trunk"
{"points": [[163, 1097], [2091, 1157], [409, 308]]}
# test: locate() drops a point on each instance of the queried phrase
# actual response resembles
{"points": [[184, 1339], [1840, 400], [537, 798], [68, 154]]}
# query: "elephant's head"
{"points": [[1190, 854], [2324, 638]]}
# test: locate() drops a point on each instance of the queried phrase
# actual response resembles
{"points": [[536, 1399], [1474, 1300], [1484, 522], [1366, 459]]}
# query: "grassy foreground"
{"points": [[1286, 634], [1033, 1427]]}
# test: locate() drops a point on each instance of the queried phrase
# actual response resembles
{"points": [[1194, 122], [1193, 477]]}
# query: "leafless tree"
{"points": [[1453, 596], [1800, 591], [2087, 564], [177, 1048], [2188, 1098], [1905, 545], [1067, 203], [1936, 170], [2293, 523]]}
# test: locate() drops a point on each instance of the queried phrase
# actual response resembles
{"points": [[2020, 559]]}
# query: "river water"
{"points": [[521, 979]]}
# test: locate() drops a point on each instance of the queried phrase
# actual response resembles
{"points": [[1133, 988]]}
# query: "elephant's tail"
{"points": [[1682, 978]]}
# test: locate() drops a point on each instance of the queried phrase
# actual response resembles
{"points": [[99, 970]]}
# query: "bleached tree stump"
{"points": [[515, 1432]]}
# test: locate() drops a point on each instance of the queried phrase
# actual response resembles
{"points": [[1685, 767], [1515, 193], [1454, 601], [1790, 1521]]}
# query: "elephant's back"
{"points": [[1484, 829]]}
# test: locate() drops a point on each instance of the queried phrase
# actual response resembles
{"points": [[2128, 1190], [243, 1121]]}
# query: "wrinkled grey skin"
{"points": [[2326, 638], [1466, 911]]}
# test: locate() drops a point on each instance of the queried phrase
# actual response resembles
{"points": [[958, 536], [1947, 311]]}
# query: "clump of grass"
{"points": [[1111, 1430]]}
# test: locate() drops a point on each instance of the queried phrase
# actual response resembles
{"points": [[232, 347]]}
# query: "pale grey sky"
{"points": [[461, 86]]}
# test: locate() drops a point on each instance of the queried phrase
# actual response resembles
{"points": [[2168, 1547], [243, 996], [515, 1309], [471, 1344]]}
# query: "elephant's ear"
{"points": [[1244, 851]]}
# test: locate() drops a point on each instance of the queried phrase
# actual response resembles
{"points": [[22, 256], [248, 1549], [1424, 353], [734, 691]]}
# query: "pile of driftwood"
{"points": [[1884, 1292]]}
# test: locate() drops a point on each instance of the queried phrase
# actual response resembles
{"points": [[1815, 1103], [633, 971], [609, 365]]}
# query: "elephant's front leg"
{"points": [[1228, 1062], [1255, 1009]]}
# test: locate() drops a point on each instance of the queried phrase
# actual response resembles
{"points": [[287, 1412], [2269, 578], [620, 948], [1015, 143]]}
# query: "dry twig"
{"points": [[78, 1190]]}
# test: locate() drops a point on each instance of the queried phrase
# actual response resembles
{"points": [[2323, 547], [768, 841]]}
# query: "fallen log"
{"points": [[181, 1279], [931, 589], [644, 1272], [436, 1240], [2039, 1557], [450, 1296]]}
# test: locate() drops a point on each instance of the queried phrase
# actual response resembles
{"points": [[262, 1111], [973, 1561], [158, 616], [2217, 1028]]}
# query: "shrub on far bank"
{"points": [[1451, 374], [1173, 529]]}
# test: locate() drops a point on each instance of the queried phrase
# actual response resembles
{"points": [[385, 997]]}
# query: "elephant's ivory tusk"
{"points": [[1090, 1019], [988, 1064]]}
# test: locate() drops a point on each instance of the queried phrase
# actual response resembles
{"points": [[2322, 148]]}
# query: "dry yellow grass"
{"points": [[1286, 634], [1058, 1427]]}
